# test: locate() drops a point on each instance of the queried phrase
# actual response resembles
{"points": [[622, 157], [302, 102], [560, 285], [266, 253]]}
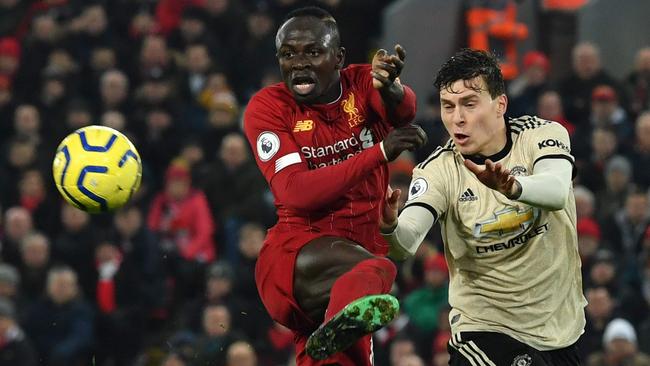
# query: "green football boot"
{"points": [[360, 317]]}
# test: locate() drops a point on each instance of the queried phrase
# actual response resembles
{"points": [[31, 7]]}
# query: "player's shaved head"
{"points": [[306, 16]]}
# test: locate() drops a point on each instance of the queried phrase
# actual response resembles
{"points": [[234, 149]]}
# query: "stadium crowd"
{"points": [[169, 279]]}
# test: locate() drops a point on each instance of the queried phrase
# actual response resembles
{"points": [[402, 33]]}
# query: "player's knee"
{"points": [[384, 268]]}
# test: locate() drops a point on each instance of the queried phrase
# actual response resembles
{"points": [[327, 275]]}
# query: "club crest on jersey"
{"points": [[349, 107], [417, 188], [522, 360], [518, 171], [509, 221], [268, 144]]}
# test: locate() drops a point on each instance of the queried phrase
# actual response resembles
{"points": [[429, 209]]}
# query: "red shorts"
{"points": [[274, 277]]}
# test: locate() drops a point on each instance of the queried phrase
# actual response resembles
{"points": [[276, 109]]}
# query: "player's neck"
{"points": [[497, 149], [333, 93], [497, 143]]}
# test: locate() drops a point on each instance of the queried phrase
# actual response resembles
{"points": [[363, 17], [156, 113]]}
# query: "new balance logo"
{"points": [[468, 195], [303, 125]]}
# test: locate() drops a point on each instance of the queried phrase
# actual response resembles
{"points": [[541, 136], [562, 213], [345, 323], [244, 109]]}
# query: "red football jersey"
{"points": [[324, 162]]}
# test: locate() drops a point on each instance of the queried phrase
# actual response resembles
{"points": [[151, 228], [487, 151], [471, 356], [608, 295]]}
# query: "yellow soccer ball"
{"points": [[97, 169]]}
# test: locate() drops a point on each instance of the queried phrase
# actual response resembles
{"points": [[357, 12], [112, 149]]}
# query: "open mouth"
{"points": [[461, 138], [303, 85]]}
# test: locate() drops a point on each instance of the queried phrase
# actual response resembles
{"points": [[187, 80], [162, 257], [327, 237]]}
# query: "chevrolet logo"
{"points": [[505, 221], [303, 125]]}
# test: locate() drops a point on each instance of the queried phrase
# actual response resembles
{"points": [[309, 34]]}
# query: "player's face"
{"points": [[472, 118], [309, 60]]}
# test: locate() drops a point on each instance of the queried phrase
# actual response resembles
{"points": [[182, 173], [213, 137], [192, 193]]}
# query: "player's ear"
{"points": [[502, 105], [340, 58]]}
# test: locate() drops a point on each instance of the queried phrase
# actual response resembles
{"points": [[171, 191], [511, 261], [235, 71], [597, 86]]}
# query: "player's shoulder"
{"points": [[356, 72], [525, 125], [272, 96], [440, 156]]}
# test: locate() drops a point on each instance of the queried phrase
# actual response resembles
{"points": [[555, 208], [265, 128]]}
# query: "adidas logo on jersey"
{"points": [[468, 195]]}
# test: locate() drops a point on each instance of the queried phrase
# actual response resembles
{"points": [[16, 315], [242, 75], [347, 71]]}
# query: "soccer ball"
{"points": [[97, 169]]}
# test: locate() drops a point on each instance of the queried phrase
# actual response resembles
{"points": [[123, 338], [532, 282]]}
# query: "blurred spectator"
{"points": [[181, 218], [637, 82], [20, 155], [17, 225], [257, 52], [400, 348], [9, 56], [587, 72], [256, 323], [589, 236], [432, 124], [599, 311], [585, 202], [114, 92], [35, 264], [410, 360], [15, 347], [39, 201], [45, 34], [241, 353], [604, 145], [154, 58], [217, 336], [7, 106], [78, 114], [625, 229], [198, 65], [549, 107], [114, 120], [61, 325], [121, 311], [193, 29], [11, 13], [89, 30], [75, 246], [525, 90], [52, 102], [159, 142], [620, 347], [235, 190], [618, 175], [139, 246], [219, 283], [221, 105], [640, 151], [606, 111], [168, 13], [9, 287], [423, 305]]}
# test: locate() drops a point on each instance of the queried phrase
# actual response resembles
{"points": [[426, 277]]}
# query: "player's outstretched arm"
{"points": [[397, 100], [320, 187]]}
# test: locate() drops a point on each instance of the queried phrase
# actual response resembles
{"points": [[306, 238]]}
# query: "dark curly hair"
{"points": [[467, 64]]}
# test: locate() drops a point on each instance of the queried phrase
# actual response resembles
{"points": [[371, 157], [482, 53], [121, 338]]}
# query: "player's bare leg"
{"points": [[342, 283]]}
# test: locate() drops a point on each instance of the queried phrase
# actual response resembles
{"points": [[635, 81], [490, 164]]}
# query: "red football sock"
{"points": [[369, 277]]}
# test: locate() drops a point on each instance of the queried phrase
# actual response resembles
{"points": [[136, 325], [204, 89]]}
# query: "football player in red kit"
{"points": [[322, 140]]}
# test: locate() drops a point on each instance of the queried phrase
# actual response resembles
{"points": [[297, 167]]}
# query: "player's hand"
{"points": [[410, 137], [386, 68], [496, 177], [388, 219]]}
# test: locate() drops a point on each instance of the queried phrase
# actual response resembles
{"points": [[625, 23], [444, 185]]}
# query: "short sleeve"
{"points": [[549, 141], [428, 189]]}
